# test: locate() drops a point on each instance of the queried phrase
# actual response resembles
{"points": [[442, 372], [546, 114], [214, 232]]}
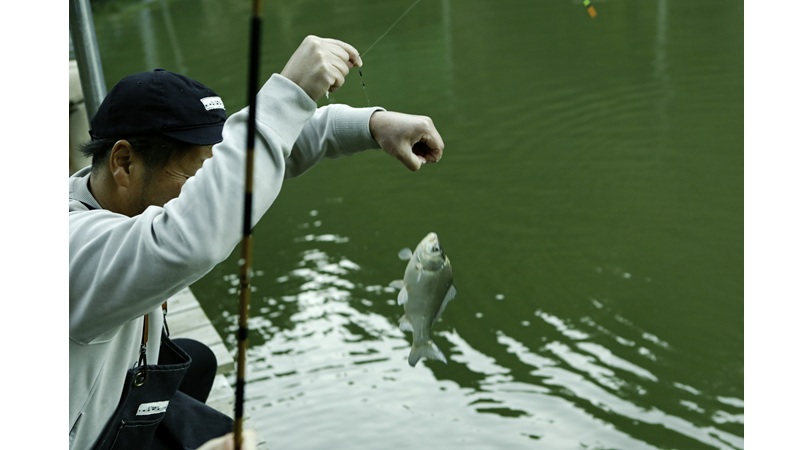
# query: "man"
{"points": [[155, 211]]}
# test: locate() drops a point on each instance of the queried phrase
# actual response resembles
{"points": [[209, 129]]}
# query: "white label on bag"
{"points": [[145, 409]]}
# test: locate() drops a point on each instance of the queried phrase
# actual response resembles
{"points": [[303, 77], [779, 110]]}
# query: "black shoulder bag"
{"points": [[153, 414]]}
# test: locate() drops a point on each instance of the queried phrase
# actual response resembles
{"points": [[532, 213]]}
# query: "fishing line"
{"points": [[361, 75], [390, 28], [363, 86]]}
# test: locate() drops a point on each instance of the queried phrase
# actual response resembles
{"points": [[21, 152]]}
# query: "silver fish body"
{"points": [[426, 288]]}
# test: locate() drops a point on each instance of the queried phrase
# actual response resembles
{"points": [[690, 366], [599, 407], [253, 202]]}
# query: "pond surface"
{"points": [[590, 200]]}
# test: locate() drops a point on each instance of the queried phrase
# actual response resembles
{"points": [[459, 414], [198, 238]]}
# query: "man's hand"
{"points": [[411, 139], [319, 65]]}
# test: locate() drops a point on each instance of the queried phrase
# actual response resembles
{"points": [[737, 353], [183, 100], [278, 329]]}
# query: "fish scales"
{"points": [[426, 288]]}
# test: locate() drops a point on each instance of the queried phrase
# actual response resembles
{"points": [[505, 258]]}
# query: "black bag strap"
{"points": [[141, 374]]}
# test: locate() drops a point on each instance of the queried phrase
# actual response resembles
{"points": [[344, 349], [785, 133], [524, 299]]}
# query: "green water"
{"points": [[590, 200]]}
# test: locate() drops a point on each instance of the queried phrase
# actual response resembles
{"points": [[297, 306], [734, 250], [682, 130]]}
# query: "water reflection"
{"points": [[329, 347]]}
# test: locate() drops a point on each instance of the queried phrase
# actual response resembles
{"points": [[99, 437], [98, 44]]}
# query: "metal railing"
{"points": [[87, 54]]}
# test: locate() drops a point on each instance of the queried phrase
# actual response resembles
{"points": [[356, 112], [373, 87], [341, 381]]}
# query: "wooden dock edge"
{"points": [[186, 319]]}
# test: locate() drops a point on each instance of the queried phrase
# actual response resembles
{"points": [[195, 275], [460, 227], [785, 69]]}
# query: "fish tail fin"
{"points": [[427, 350]]}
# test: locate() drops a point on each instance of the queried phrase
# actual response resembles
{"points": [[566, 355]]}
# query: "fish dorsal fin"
{"points": [[451, 294], [405, 254]]}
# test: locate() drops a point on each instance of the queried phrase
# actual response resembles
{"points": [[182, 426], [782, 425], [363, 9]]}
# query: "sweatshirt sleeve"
{"points": [[123, 267], [334, 131]]}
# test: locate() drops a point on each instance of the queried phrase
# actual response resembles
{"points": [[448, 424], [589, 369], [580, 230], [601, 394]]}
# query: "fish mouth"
{"points": [[432, 244]]}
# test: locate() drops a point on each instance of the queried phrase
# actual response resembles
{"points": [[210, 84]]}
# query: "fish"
{"points": [[425, 290]]}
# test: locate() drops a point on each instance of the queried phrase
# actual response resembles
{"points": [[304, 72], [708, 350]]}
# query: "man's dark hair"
{"points": [[155, 150]]}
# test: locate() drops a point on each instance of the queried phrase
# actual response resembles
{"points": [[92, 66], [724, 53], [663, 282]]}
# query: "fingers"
{"points": [[413, 140], [430, 145], [421, 153], [320, 65], [338, 73], [353, 56], [438, 143], [426, 153], [345, 57], [428, 149], [411, 161]]}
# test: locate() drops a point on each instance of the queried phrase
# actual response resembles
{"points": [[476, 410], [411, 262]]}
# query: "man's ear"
{"points": [[120, 162]]}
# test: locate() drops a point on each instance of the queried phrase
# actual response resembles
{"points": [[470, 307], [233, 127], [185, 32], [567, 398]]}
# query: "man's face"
{"points": [[158, 186]]}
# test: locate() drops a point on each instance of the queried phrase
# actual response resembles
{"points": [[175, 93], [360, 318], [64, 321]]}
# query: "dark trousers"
{"points": [[200, 377]]}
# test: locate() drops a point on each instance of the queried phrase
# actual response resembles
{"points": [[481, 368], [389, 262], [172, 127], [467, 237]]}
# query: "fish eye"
{"points": [[435, 249]]}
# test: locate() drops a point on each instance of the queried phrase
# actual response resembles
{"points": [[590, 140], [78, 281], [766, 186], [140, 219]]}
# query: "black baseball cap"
{"points": [[160, 102]]}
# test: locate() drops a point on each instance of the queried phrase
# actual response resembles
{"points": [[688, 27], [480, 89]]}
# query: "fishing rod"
{"points": [[247, 241]]}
